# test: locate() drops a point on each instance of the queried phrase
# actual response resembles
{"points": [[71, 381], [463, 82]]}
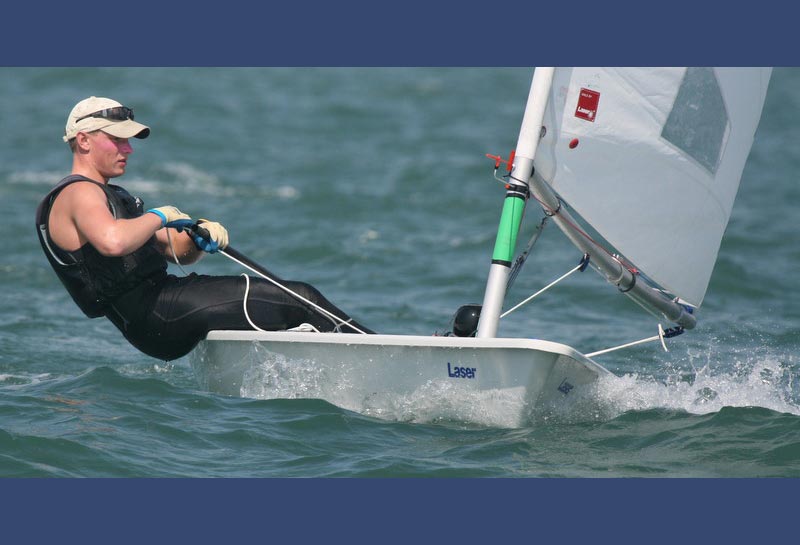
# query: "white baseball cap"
{"points": [[99, 113]]}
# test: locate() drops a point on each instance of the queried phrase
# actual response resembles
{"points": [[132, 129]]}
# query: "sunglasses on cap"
{"points": [[118, 113]]}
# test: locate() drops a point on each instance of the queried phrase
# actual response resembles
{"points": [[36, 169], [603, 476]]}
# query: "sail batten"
{"points": [[651, 158]]}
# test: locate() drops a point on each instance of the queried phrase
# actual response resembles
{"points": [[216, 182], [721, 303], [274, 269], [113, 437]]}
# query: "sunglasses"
{"points": [[118, 113]]}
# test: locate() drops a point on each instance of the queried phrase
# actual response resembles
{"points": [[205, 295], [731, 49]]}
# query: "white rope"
{"points": [[544, 289], [659, 337], [244, 304], [301, 327], [174, 256]]}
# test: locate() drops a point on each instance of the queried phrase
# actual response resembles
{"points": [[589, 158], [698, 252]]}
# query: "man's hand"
{"points": [[172, 217], [210, 236]]}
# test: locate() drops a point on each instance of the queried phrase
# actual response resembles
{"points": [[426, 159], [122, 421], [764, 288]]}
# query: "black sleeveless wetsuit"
{"points": [[161, 314]]}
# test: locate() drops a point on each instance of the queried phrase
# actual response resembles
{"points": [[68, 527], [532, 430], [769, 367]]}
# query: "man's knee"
{"points": [[306, 291]]}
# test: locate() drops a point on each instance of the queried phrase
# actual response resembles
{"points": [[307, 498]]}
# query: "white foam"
{"points": [[287, 192], [35, 177], [273, 376], [276, 377], [10, 380], [759, 382], [445, 401]]}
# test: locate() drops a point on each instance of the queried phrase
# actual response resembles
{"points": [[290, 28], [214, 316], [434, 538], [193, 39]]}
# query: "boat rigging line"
{"points": [[520, 261], [662, 334], [579, 267]]}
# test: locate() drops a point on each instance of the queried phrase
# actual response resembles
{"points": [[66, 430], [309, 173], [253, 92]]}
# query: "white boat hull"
{"points": [[398, 376]]}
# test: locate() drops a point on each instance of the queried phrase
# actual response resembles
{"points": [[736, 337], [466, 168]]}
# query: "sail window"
{"points": [[698, 122]]}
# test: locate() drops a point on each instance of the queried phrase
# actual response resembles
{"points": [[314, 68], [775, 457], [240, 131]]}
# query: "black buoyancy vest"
{"points": [[92, 279]]}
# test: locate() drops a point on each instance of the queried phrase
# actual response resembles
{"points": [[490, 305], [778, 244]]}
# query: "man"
{"points": [[112, 256]]}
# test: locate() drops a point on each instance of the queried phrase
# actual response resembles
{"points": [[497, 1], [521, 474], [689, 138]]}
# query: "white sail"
{"points": [[652, 158]]}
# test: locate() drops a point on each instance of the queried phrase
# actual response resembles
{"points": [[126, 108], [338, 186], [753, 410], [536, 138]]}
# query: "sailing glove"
{"points": [[210, 236], [172, 217]]}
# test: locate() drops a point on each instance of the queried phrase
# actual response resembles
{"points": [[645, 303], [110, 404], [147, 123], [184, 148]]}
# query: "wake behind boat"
{"points": [[639, 167]]}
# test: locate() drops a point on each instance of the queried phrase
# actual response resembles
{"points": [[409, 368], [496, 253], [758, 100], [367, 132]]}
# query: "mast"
{"points": [[516, 195]]}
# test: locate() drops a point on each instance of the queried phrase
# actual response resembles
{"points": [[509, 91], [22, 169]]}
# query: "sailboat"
{"points": [[638, 167]]}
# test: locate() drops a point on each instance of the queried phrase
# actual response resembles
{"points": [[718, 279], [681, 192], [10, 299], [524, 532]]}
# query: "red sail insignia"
{"points": [[587, 104]]}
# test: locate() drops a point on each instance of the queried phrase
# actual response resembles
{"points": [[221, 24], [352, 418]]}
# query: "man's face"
{"points": [[109, 154]]}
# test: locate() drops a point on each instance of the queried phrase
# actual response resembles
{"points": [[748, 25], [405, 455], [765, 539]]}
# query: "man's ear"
{"points": [[82, 141]]}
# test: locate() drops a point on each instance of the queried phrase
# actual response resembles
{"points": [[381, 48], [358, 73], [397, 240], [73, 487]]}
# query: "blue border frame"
{"points": [[415, 34], [409, 33], [397, 510]]}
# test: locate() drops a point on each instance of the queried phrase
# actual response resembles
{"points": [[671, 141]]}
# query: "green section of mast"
{"points": [[507, 232]]}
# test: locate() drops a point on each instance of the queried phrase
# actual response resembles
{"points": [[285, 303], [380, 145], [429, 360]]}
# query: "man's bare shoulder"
{"points": [[82, 186], [82, 191], [80, 198]]}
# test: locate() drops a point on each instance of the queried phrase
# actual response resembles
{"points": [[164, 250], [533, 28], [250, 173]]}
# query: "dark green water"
{"points": [[372, 184]]}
